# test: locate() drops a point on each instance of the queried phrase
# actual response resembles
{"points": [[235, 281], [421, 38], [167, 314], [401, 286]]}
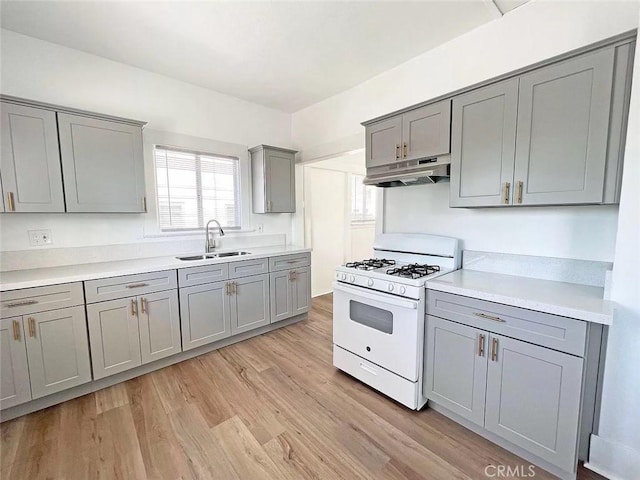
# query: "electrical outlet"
{"points": [[39, 238], [260, 228]]}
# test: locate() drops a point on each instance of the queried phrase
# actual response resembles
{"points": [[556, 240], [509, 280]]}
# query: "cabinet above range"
{"points": [[56, 159]]}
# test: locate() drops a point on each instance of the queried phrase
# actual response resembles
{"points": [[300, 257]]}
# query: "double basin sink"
{"points": [[212, 255]]}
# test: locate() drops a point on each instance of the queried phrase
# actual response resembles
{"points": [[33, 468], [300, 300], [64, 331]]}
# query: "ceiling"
{"points": [[284, 55]]}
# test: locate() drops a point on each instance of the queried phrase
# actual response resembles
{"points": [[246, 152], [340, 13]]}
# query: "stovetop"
{"points": [[413, 270], [371, 264]]}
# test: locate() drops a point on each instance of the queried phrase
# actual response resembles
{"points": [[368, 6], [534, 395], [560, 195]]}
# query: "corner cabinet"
{"points": [[553, 136], [514, 373], [416, 134], [273, 179], [30, 162], [56, 159]]}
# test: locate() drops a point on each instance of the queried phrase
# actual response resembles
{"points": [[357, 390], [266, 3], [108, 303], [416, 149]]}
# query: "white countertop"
{"points": [[559, 298], [38, 277]]}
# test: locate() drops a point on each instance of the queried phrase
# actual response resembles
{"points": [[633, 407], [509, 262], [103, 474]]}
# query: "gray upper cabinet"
{"points": [[533, 399], [419, 133], [14, 370], [552, 136], [273, 179], [563, 125], [57, 350], [456, 368], [30, 164], [102, 164], [483, 137], [383, 142], [249, 302]]}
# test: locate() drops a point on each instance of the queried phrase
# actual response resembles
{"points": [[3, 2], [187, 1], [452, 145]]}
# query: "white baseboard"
{"points": [[613, 460]]}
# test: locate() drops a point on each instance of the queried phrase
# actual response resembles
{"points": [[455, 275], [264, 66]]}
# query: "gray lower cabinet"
{"points": [[273, 178], [57, 350], [14, 370], [533, 399], [249, 303], [483, 139], [102, 164], [128, 332], [114, 337], [456, 368], [290, 293], [30, 162], [204, 314]]}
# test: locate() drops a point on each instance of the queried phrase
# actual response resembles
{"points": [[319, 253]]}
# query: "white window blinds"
{"points": [[363, 201], [194, 187]]}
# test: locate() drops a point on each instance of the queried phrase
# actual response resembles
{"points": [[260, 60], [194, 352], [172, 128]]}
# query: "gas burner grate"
{"points": [[371, 264], [413, 270]]}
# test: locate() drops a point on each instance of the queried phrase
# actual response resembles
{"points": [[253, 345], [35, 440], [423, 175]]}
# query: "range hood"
{"points": [[414, 172]]}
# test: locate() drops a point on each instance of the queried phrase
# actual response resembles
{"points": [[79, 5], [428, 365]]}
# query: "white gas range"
{"points": [[379, 312]]}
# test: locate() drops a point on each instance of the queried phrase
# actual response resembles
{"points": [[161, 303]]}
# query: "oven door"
{"points": [[382, 328]]}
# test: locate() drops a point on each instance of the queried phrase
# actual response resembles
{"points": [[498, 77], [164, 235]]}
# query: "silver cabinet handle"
{"points": [[137, 285], [143, 305], [481, 345], [494, 349], [519, 192], [505, 193], [12, 203], [16, 330], [134, 307], [397, 152], [489, 317], [404, 150], [32, 327], [22, 304]]}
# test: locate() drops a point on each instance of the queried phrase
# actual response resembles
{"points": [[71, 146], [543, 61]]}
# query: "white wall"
{"points": [[615, 450], [534, 32], [47, 72]]}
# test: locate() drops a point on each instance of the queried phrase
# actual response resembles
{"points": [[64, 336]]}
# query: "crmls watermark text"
{"points": [[508, 471]]}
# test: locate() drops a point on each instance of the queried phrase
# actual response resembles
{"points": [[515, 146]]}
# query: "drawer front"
{"points": [[187, 277], [245, 268], [129, 285], [288, 262], [41, 299], [559, 333]]}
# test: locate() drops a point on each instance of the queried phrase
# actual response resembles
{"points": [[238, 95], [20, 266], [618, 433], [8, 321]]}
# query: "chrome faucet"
{"points": [[207, 245]]}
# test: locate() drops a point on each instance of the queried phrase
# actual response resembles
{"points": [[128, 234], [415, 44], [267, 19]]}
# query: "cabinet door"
{"points": [[281, 295], [30, 162], [426, 131], [204, 314], [456, 367], [563, 122], [102, 164], [280, 181], [483, 137], [14, 370], [113, 335], [159, 323], [249, 303], [57, 350], [301, 290], [533, 399], [383, 141]]}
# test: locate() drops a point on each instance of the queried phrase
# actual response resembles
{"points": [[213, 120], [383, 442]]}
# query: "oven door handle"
{"points": [[380, 298]]}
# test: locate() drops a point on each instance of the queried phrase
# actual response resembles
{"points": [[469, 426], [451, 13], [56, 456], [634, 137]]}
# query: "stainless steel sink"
{"points": [[212, 255]]}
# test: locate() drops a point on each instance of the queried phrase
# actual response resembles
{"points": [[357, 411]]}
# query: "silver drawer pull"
{"points": [[137, 285], [489, 317], [21, 304], [293, 261]]}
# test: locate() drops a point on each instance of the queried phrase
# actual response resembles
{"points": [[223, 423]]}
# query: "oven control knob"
{"points": [[343, 276], [370, 283], [352, 278], [390, 287], [402, 290]]}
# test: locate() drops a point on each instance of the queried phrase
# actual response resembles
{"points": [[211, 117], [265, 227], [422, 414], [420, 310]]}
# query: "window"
{"points": [[193, 187], [363, 201]]}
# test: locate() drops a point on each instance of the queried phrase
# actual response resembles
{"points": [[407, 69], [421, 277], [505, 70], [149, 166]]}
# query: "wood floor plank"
{"points": [[270, 407]]}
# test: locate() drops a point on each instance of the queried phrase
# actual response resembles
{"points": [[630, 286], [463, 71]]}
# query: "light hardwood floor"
{"points": [[272, 407]]}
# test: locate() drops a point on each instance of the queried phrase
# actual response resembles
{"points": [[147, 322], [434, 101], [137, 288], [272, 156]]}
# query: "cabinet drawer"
{"points": [[129, 285], [559, 333], [245, 268], [188, 277], [40, 299], [289, 262]]}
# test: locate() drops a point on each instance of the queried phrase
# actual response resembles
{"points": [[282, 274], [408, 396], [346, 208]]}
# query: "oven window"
{"points": [[373, 317]]}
